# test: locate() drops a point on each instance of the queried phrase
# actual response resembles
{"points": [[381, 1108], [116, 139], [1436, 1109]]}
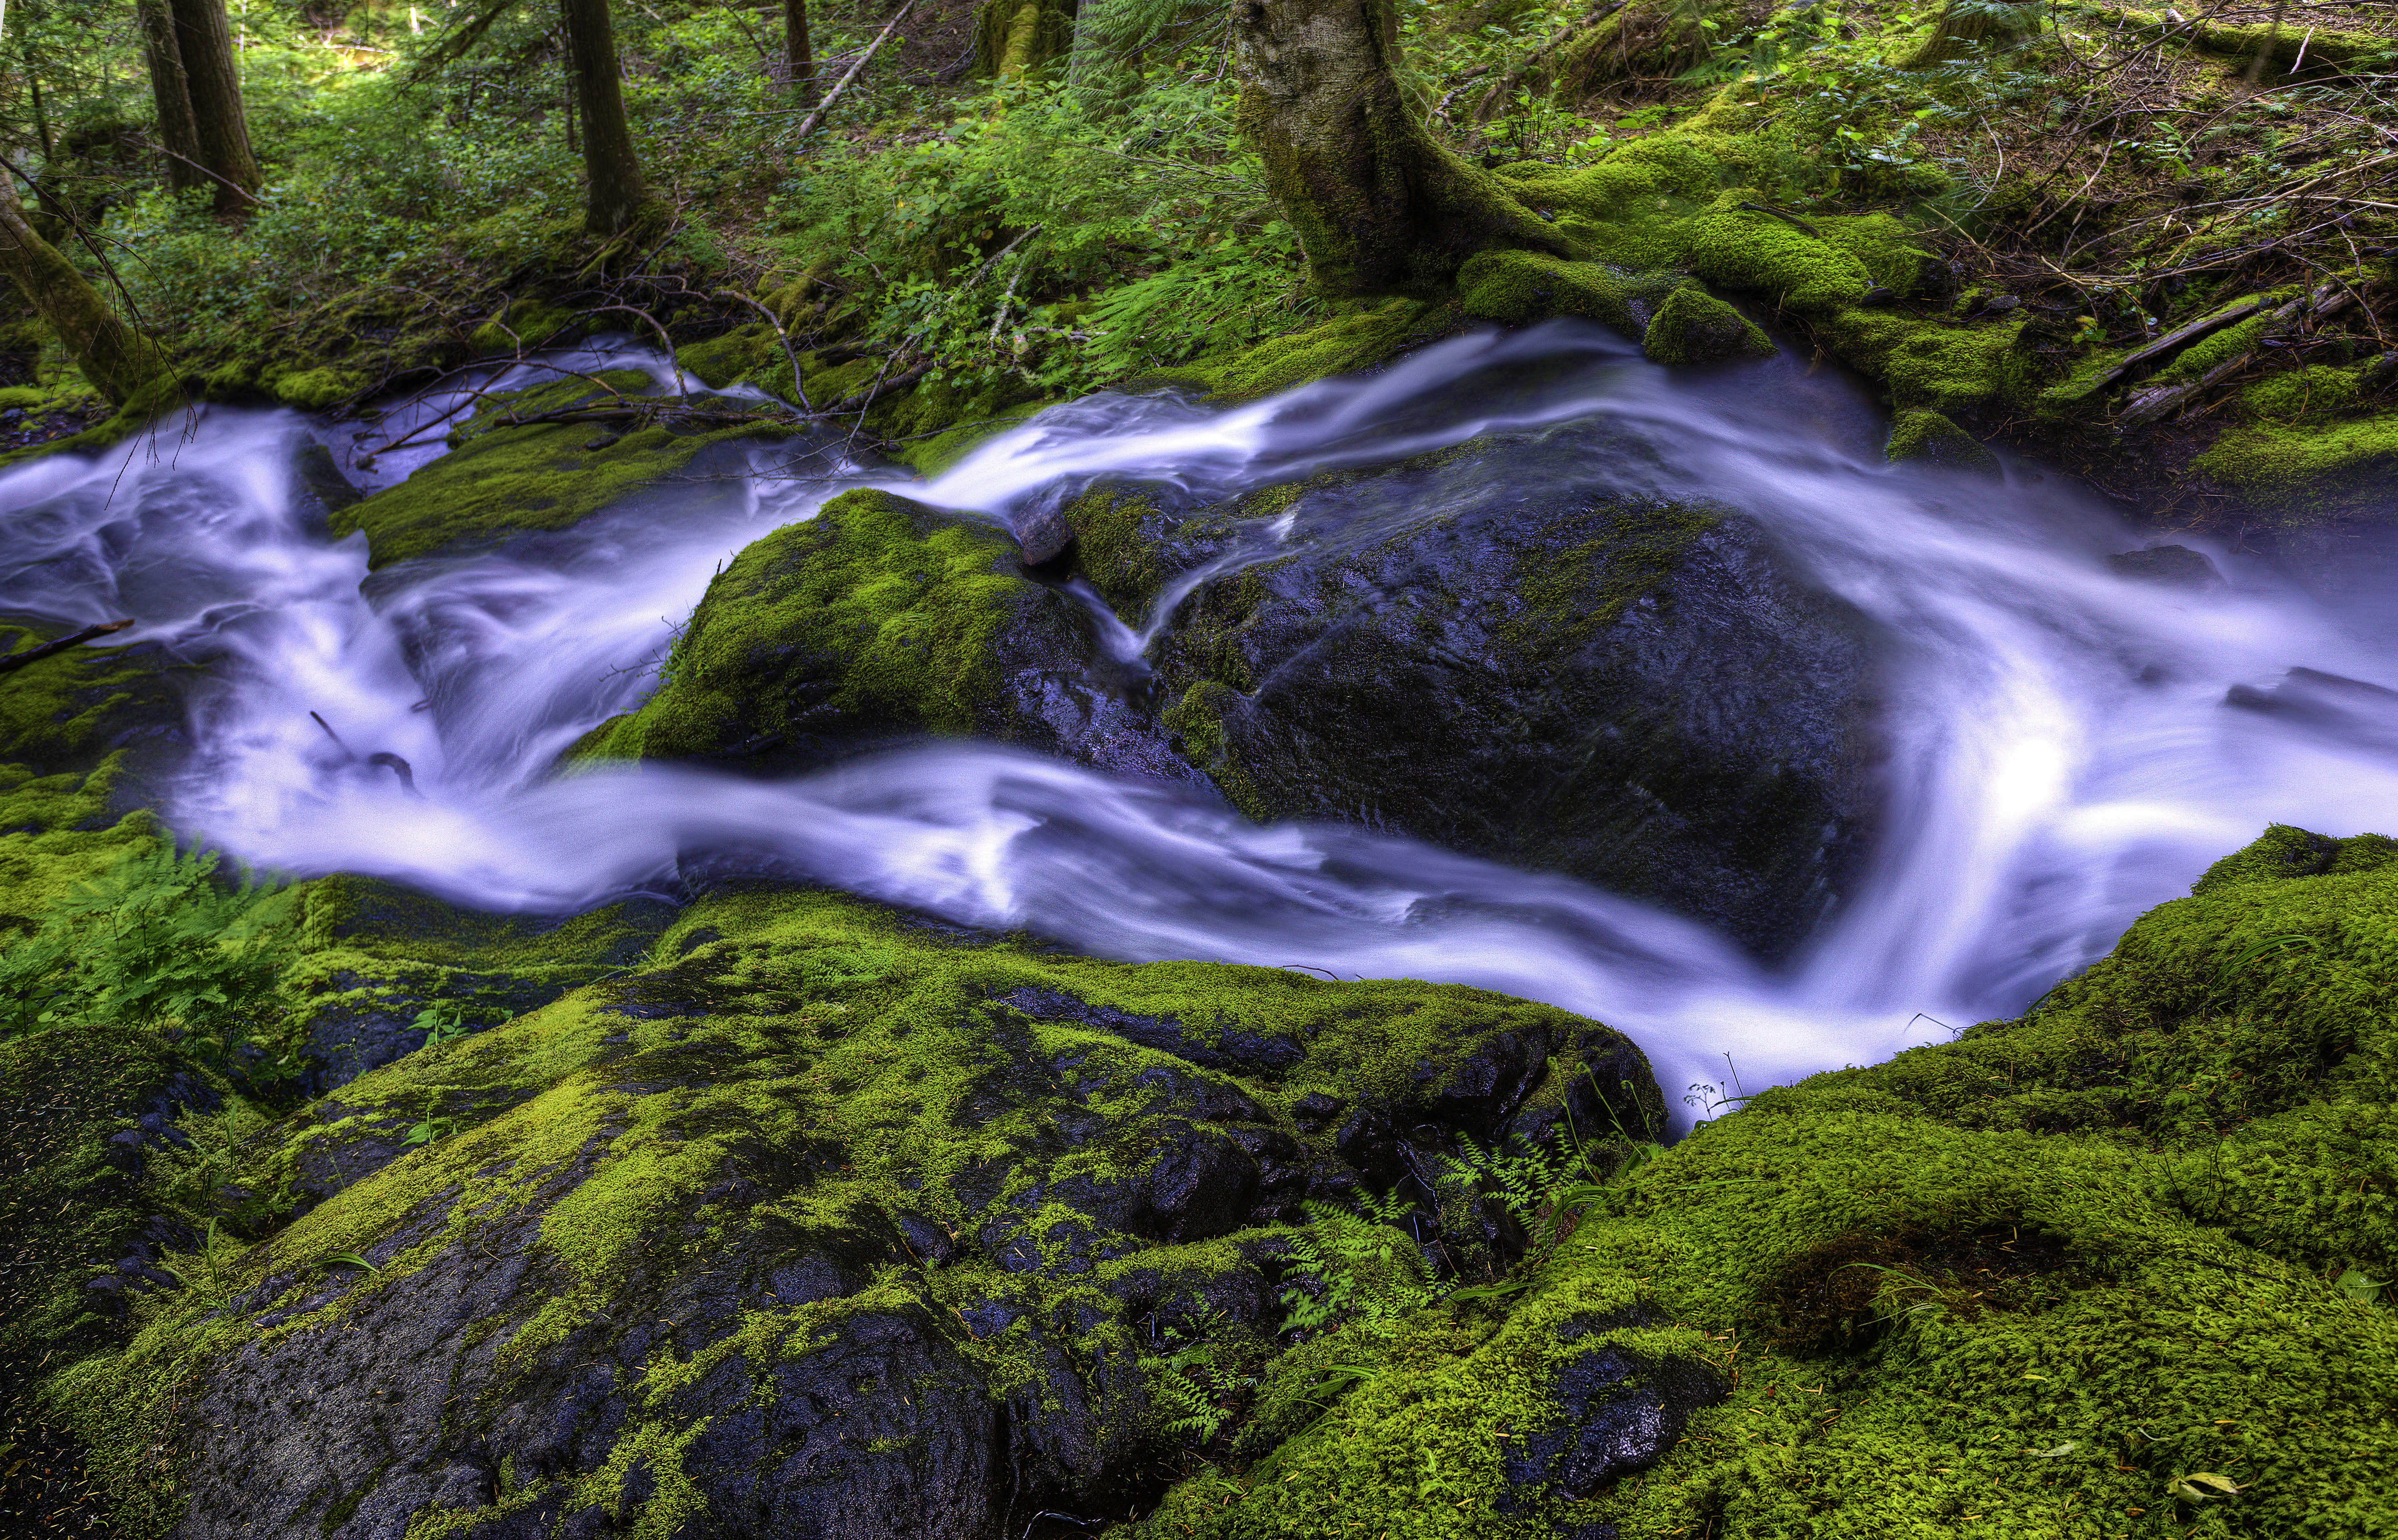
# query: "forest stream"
{"points": [[2059, 744]]}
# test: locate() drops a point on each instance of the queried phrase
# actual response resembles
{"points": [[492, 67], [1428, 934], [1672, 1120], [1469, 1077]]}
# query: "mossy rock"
{"points": [[2307, 470], [2057, 1267], [314, 389], [878, 617], [59, 833], [1514, 287], [1367, 336], [500, 482], [1693, 327], [377, 956], [820, 1213], [1931, 439], [73, 709]]}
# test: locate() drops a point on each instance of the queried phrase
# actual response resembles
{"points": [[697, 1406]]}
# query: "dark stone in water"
{"points": [[2175, 566]]}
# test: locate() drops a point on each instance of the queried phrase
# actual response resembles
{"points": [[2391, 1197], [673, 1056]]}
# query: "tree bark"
{"points": [[115, 358], [179, 133], [1015, 37], [1957, 31], [799, 58], [204, 42], [1381, 208], [617, 193]]}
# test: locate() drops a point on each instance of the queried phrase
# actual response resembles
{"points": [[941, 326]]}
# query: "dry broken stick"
{"points": [[47, 649]]}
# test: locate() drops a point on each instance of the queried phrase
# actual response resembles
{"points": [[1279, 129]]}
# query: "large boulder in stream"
{"points": [[1480, 650], [1474, 649]]}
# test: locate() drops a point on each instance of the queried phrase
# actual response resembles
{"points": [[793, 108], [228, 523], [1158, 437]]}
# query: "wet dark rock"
{"points": [[1643, 694], [1616, 1413], [2350, 710], [2172, 566]]}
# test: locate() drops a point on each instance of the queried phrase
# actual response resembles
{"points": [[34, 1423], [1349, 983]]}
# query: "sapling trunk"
{"points": [[615, 172], [799, 55], [179, 133], [211, 76]]}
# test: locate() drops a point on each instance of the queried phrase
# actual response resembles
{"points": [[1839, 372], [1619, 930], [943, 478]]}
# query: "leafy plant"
{"points": [[156, 940], [441, 1025]]}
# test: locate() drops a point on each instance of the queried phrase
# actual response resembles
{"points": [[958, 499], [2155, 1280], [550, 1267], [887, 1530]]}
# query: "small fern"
{"points": [[157, 941]]}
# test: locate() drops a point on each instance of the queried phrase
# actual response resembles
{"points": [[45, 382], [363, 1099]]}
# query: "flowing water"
{"points": [[2059, 755]]}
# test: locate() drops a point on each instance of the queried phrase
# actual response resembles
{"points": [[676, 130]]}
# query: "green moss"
{"points": [[2027, 1281], [57, 833], [524, 325], [1741, 249], [1931, 366], [1916, 434], [732, 357], [1694, 327], [878, 608], [500, 480], [2303, 392], [1359, 340], [1514, 287], [65, 711], [804, 1034], [314, 389], [931, 457], [2308, 467]]}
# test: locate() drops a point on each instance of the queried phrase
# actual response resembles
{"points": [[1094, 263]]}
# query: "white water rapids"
{"points": [[2060, 756]]}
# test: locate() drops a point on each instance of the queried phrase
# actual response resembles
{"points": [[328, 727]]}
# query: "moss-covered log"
{"points": [[118, 361]]}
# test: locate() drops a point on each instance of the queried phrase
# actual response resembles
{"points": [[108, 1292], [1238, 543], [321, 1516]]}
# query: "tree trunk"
{"points": [[179, 133], [798, 59], [115, 358], [1959, 31], [1381, 208], [204, 42], [1015, 37], [617, 193]]}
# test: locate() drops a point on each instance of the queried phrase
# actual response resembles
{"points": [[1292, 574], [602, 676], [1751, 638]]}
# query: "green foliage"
{"points": [[156, 940]]}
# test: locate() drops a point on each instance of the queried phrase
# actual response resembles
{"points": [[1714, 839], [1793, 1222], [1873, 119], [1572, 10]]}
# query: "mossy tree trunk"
{"points": [[203, 44], [1965, 24], [1381, 207], [1015, 37], [114, 357], [617, 191], [179, 131], [798, 55]]}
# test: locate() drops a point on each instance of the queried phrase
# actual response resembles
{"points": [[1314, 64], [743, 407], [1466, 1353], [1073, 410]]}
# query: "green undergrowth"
{"points": [[2117, 1267], [876, 607], [498, 480]]}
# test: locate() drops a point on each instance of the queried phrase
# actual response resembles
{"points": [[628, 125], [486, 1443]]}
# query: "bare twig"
{"points": [[14, 661], [808, 123]]}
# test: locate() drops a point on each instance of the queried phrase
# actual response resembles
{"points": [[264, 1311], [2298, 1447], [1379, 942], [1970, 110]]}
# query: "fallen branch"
{"points": [[47, 649], [808, 123], [2179, 338], [2148, 405], [799, 385]]}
